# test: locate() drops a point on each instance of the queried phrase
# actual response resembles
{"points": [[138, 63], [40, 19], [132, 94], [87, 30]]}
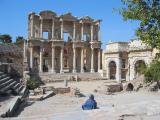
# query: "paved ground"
{"points": [[131, 106]]}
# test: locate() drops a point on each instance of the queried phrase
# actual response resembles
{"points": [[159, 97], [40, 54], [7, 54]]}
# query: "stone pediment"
{"points": [[47, 14], [68, 16], [86, 19], [138, 45]]}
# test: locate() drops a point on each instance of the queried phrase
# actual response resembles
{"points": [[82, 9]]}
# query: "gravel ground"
{"points": [[125, 106]]}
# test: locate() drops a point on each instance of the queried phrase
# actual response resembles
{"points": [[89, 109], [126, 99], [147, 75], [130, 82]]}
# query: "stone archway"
{"points": [[112, 70], [139, 67]]}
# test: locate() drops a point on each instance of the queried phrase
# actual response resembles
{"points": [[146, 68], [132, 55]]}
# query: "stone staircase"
{"points": [[9, 85], [59, 77]]}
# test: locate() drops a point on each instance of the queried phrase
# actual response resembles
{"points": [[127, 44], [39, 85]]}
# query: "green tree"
{"points": [[153, 72], [6, 38], [147, 12], [19, 39]]}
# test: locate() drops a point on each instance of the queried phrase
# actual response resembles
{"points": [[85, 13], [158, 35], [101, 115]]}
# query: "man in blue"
{"points": [[90, 103]]}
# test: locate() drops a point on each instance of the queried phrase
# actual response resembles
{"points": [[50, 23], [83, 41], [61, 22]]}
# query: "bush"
{"points": [[32, 83], [152, 73]]}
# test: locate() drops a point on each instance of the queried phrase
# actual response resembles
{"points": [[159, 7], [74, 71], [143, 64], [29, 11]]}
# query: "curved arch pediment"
{"points": [[68, 16], [47, 14]]}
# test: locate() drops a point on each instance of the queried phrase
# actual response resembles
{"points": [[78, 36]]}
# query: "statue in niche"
{"points": [[57, 34]]}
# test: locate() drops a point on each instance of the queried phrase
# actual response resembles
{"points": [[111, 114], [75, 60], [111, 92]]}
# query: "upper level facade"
{"points": [[48, 26], [132, 46]]}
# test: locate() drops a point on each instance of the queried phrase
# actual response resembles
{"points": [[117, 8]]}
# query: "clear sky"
{"points": [[14, 13]]}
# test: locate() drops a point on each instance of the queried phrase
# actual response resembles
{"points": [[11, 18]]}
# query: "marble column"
{"points": [[31, 57], [24, 51], [41, 27], [91, 32], [61, 66], [74, 31], [99, 59], [107, 71], [32, 26], [99, 33], [52, 28], [53, 59], [92, 60], [74, 60], [41, 60], [118, 70], [82, 61], [82, 32], [62, 29]]}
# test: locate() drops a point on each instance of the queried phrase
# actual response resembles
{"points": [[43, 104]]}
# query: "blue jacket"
{"points": [[89, 104]]}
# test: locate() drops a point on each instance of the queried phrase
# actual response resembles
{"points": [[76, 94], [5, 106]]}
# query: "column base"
{"points": [[92, 71], [61, 71], [53, 71], [74, 71], [82, 71]]}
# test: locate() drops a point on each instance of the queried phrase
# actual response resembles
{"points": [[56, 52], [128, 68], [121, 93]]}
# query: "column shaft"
{"points": [[99, 59], [82, 61], [40, 60], [62, 29], [41, 28], [92, 60], [52, 28], [31, 57], [91, 32], [61, 69], [99, 33], [53, 59], [118, 70], [74, 60], [31, 27], [82, 32], [74, 31]]}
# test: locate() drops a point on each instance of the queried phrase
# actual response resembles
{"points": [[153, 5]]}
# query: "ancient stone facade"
{"points": [[64, 43], [125, 60]]}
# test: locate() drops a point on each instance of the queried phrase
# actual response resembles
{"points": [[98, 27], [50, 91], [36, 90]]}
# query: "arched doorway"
{"points": [[139, 67], [112, 70]]}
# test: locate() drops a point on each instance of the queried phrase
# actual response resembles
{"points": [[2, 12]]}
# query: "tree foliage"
{"points": [[147, 12], [19, 39], [152, 73], [6, 38]]}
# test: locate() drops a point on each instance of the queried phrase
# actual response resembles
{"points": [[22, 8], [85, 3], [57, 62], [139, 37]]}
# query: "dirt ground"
{"points": [[120, 106]]}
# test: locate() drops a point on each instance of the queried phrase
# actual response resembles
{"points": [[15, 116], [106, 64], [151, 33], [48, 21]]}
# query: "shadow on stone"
{"points": [[22, 107]]}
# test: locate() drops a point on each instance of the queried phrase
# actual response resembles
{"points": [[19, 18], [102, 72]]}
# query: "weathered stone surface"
{"points": [[110, 88], [75, 92], [153, 87]]}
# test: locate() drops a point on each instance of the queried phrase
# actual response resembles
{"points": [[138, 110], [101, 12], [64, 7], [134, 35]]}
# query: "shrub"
{"points": [[152, 73], [32, 83]]}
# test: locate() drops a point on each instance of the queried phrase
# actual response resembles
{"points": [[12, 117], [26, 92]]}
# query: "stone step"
{"points": [[1, 73], [2, 76], [16, 86], [7, 82], [4, 80], [4, 89]]}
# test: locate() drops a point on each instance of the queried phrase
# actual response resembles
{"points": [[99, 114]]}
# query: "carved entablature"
{"points": [[137, 45], [68, 17], [117, 47], [56, 43], [95, 44], [78, 44], [47, 14], [86, 19]]}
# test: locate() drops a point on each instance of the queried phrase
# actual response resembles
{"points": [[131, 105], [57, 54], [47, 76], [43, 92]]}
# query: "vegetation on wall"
{"points": [[147, 12], [152, 73], [32, 83]]}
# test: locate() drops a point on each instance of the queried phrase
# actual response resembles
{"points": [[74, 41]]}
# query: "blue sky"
{"points": [[14, 14]]}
